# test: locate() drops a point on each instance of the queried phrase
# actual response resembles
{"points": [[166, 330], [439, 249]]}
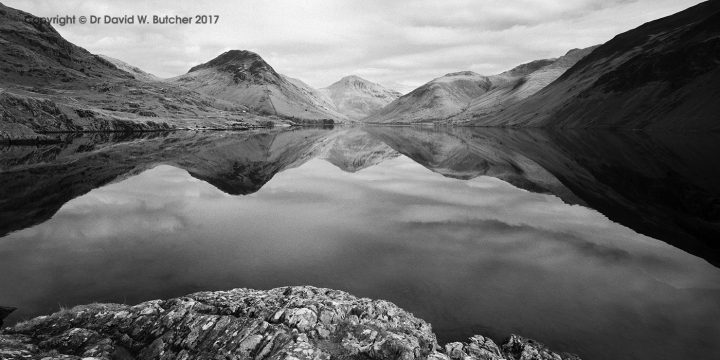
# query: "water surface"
{"points": [[473, 231]]}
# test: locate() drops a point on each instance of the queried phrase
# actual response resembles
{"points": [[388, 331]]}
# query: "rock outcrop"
{"points": [[283, 323]]}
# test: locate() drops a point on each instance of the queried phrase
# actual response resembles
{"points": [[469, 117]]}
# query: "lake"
{"points": [[602, 244]]}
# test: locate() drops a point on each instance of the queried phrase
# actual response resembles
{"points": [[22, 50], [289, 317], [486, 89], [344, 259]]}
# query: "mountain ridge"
{"points": [[462, 92], [661, 75]]}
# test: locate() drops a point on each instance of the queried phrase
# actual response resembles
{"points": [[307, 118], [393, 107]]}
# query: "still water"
{"points": [[473, 231]]}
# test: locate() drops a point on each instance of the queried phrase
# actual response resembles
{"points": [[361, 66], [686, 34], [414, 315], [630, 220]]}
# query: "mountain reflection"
{"points": [[665, 186]]}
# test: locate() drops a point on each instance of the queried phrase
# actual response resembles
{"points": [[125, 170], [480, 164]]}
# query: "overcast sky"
{"points": [[401, 44]]}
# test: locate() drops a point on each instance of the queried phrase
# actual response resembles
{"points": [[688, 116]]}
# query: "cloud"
{"points": [[390, 42]]}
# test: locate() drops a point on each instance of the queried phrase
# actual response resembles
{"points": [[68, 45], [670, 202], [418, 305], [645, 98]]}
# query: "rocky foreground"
{"points": [[284, 323]]}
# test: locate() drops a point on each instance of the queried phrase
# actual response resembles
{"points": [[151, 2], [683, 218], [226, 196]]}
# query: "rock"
{"points": [[483, 348], [520, 348], [479, 347], [455, 350], [281, 323], [303, 319]]}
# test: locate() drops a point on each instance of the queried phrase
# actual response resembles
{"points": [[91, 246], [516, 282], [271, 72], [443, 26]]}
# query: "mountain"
{"points": [[523, 81], [50, 85], [466, 94], [661, 75], [358, 98], [438, 99], [244, 78], [135, 71]]}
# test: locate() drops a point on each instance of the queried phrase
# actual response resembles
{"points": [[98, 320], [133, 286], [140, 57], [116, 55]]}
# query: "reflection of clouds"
{"points": [[105, 224], [405, 196], [152, 202], [456, 253], [517, 241]]}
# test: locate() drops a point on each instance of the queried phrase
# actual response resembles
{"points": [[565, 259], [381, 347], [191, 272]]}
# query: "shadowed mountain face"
{"points": [[661, 75], [662, 186], [35, 54]]}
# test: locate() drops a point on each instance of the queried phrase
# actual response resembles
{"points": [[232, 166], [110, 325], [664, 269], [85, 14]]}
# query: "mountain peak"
{"points": [[350, 78], [462, 73], [236, 59], [354, 81]]}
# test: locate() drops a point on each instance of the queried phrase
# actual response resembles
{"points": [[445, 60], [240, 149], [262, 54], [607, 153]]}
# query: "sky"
{"points": [[400, 44]]}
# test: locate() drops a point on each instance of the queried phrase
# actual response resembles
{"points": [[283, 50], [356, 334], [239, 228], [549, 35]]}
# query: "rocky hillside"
{"points": [[358, 98], [244, 78], [135, 71], [299, 322], [34, 54], [459, 94], [661, 75], [47, 85]]}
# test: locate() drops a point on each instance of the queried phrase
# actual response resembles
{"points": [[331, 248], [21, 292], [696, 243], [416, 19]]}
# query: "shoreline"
{"points": [[43, 137]]}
